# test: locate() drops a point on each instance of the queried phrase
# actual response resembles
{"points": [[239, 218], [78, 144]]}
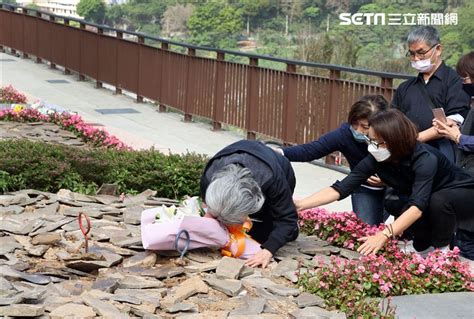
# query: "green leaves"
{"points": [[92, 10], [215, 23], [49, 167], [4, 181]]}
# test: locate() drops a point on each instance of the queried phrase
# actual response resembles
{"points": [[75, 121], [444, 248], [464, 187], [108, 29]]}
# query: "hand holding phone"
{"points": [[438, 114]]}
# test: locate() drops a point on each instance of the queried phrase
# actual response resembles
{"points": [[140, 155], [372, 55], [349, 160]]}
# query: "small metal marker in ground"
{"points": [[85, 231]]}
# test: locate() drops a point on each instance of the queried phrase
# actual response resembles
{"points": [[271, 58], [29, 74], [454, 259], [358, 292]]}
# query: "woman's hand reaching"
{"points": [[372, 244]]}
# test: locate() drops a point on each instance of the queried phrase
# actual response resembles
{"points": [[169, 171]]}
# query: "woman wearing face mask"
{"points": [[441, 195], [464, 137], [350, 139]]}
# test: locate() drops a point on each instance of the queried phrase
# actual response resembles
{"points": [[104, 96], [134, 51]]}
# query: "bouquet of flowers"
{"points": [[160, 226]]}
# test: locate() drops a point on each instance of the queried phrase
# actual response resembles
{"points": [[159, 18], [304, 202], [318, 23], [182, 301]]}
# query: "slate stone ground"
{"points": [[45, 271]]}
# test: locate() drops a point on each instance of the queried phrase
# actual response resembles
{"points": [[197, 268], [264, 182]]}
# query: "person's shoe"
{"points": [[444, 249], [407, 248]]}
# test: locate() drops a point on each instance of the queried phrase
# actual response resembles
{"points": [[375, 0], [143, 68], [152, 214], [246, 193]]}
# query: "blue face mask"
{"points": [[358, 136]]}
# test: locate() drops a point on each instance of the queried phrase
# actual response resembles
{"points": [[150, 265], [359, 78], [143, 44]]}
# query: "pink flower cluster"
{"points": [[397, 274], [71, 122], [8, 95], [88, 133], [341, 229], [25, 115], [346, 284]]}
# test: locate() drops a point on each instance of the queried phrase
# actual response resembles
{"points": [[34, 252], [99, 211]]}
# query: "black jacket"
{"points": [[276, 179], [420, 174], [465, 159]]}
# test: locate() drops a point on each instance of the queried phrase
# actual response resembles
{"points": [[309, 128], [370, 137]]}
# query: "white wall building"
{"points": [[23, 3], [67, 8]]}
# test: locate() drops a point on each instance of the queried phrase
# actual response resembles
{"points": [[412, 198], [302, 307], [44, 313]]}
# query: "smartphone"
{"points": [[439, 114]]}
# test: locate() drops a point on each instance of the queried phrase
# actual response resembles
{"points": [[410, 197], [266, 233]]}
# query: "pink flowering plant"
{"points": [[341, 229], [24, 115], [8, 95], [97, 137], [70, 122], [354, 286]]}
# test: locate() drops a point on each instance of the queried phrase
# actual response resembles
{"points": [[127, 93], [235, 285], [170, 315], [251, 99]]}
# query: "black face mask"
{"points": [[469, 89]]}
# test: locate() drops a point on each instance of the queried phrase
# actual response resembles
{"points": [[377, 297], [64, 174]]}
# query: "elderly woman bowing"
{"points": [[248, 178]]}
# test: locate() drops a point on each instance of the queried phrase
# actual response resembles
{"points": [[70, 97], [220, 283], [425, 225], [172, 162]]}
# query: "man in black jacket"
{"points": [[248, 178], [436, 86]]}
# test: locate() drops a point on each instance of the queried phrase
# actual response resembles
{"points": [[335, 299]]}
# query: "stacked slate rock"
{"points": [[39, 131], [45, 271]]}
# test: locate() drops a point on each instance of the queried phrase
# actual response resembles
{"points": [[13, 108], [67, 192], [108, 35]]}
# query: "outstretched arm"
{"points": [[325, 196], [372, 244]]}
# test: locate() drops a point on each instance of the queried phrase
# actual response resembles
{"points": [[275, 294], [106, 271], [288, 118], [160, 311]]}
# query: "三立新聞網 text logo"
{"points": [[368, 18]]}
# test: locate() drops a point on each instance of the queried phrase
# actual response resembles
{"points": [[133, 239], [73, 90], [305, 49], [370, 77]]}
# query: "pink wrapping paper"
{"points": [[204, 232]]}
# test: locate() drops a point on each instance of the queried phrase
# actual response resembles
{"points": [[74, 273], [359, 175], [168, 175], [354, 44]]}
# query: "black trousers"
{"points": [[465, 241], [449, 210]]}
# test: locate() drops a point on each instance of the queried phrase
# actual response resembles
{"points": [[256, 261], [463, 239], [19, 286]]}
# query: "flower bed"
{"points": [[8, 95], [70, 122], [354, 286]]}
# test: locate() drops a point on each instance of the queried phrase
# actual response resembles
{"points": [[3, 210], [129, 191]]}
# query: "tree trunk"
{"points": [[248, 26]]}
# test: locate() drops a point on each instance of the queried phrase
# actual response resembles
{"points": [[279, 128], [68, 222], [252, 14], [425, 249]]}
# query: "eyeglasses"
{"points": [[374, 142], [465, 79], [419, 54]]}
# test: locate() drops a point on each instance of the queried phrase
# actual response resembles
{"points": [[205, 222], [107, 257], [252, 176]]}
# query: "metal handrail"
{"points": [[332, 67]]}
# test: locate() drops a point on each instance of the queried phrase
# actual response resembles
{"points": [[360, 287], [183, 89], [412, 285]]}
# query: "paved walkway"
{"points": [[146, 127]]}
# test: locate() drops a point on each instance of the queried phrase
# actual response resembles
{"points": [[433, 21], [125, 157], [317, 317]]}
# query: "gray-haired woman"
{"points": [[248, 178]]}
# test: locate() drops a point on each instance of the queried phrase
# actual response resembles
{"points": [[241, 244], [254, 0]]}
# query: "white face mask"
{"points": [[380, 154], [425, 65]]}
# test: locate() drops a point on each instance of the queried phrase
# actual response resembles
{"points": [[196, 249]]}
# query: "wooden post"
{"points": [[334, 98], [386, 87], [218, 111], [52, 65], [82, 77], [162, 107], [140, 40], [187, 103], [98, 84], [252, 99], [12, 50], [38, 59], [118, 90], [25, 12], [66, 70], [289, 105]]}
